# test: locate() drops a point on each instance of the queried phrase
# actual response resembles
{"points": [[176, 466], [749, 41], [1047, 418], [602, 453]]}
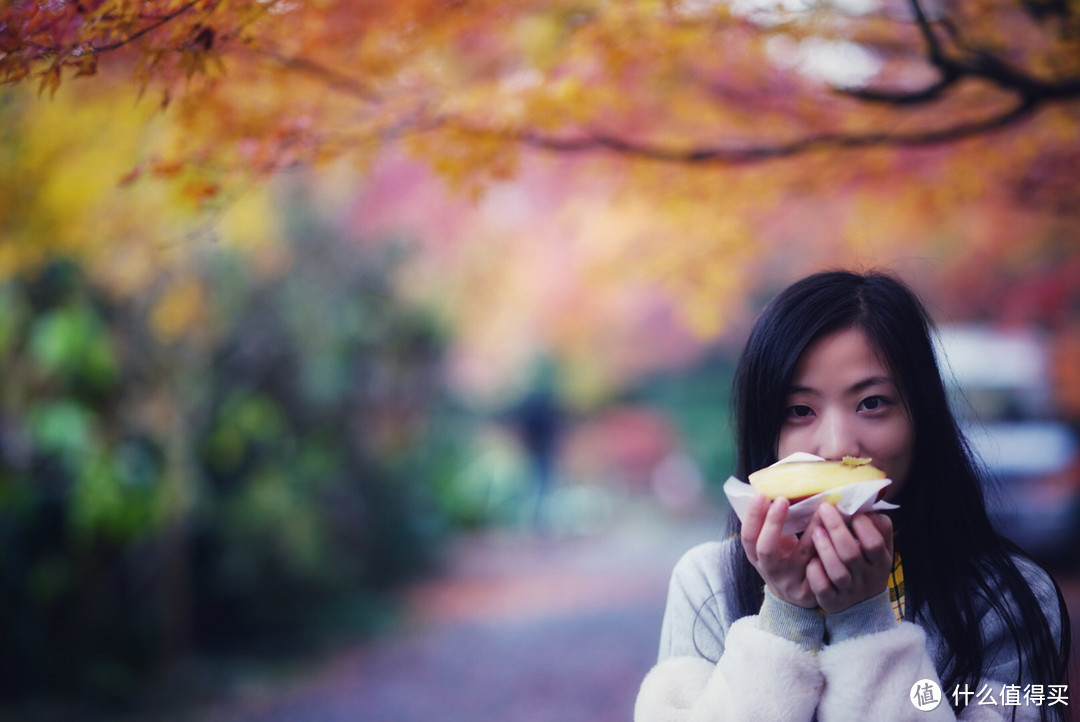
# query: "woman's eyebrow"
{"points": [[867, 383], [854, 389], [803, 390]]}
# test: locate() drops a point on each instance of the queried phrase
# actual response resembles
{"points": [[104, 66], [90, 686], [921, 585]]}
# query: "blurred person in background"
{"points": [[870, 617], [538, 419]]}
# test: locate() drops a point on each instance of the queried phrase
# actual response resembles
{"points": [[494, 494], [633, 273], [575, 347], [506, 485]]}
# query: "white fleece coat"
{"points": [[772, 666]]}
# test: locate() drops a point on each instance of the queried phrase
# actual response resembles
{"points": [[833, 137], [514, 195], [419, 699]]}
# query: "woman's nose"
{"points": [[836, 438]]}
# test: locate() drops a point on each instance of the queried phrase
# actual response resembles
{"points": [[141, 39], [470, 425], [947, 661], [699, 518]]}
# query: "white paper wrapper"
{"points": [[848, 499]]}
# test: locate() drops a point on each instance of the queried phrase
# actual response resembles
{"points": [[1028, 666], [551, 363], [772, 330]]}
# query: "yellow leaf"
{"points": [[178, 310]]}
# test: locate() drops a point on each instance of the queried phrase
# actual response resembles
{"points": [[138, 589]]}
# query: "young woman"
{"points": [[924, 613]]}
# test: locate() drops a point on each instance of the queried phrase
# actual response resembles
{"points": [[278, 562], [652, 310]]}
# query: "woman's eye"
{"points": [[799, 411], [872, 403]]}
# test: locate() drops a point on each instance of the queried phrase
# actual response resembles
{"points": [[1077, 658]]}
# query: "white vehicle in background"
{"points": [[999, 381]]}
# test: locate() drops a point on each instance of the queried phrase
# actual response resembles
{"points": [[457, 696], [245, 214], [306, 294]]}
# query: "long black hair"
{"points": [[952, 555]]}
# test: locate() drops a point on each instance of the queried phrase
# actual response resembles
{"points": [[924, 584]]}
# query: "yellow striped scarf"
{"points": [[896, 588]]}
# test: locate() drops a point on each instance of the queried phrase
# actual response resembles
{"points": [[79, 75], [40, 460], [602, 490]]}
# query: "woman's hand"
{"points": [[853, 564], [781, 560]]}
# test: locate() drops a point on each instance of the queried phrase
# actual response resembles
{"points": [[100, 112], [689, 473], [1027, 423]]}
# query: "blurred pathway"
{"points": [[517, 628]]}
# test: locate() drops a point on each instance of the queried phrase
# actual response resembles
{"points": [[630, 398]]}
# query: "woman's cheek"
{"points": [[790, 441]]}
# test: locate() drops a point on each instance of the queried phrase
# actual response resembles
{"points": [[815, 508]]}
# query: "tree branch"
{"points": [[332, 78], [980, 64], [144, 31], [949, 70], [933, 47], [736, 155], [903, 97]]}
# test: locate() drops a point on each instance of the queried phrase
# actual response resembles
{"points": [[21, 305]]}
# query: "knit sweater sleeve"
{"points": [[773, 666], [713, 669], [760, 676], [876, 668]]}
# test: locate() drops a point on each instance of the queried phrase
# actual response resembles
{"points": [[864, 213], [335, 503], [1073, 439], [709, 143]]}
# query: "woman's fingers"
{"points": [[779, 558], [751, 527], [769, 540], [804, 548], [851, 564], [832, 565], [874, 538], [835, 568], [836, 547], [818, 581]]}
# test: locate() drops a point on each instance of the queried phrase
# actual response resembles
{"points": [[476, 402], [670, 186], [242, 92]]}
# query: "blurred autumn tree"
{"points": [[760, 134], [708, 150]]}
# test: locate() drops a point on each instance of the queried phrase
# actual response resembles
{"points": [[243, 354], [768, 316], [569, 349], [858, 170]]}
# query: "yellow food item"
{"points": [[797, 480]]}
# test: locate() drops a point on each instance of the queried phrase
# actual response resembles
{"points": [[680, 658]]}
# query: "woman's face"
{"points": [[843, 402]]}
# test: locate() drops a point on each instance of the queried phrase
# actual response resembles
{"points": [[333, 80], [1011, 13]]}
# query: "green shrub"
{"points": [[161, 498]]}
